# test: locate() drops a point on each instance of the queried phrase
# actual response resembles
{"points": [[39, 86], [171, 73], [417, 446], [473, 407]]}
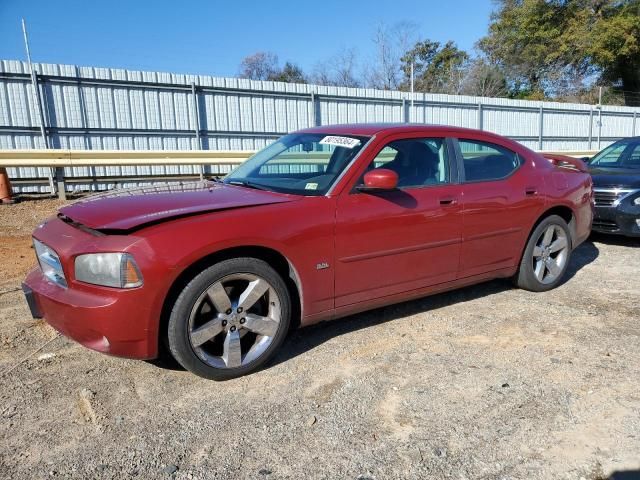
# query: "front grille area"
{"points": [[606, 198], [605, 225]]}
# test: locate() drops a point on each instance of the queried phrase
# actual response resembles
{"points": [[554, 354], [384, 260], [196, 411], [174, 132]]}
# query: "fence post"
{"points": [[480, 126], [84, 122], [599, 126], [56, 175], [590, 127], [315, 110], [83, 111], [196, 123], [540, 126], [633, 131], [405, 117], [62, 192], [43, 125]]}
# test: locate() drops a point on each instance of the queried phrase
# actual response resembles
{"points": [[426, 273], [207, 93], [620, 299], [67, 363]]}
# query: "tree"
{"points": [[338, 71], [437, 68], [259, 66], [344, 65], [615, 46], [484, 80], [390, 43], [524, 38], [554, 47], [264, 66], [290, 73]]}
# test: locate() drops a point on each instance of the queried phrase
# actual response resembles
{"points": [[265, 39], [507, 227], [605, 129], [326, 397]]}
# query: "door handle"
{"points": [[530, 191], [448, 201]]}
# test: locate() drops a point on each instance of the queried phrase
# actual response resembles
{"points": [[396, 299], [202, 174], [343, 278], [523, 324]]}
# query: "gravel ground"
{"points": [[485, 382]]}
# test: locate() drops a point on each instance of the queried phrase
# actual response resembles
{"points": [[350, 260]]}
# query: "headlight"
{"points": [[49, 263], [117, 270], [637, 201]]}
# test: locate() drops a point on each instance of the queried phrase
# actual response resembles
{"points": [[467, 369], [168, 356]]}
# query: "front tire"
{"points": [[230, 319], [546, 256]]}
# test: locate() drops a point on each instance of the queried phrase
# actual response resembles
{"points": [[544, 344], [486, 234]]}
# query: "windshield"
{"points": [[300, 163], [622, 154]]}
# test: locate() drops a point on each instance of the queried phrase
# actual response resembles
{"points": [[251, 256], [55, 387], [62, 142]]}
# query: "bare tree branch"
{"points": [[339, 70], [259, 66], [390, 44]]}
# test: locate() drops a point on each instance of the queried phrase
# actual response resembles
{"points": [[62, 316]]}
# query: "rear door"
{"points": [[391, 242], [501, 200]]}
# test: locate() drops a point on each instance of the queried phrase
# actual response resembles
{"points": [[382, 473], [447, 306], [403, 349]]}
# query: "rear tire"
{"points": [[230, 319], [546, 256]]}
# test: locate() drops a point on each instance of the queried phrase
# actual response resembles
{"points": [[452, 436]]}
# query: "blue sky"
{"points": [[211, 37]]}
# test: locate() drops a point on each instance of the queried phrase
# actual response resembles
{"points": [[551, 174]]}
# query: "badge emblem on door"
{"points": [[322, 266]]}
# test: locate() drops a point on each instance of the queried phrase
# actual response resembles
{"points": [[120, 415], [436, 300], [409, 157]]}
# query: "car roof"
{"points": [[369, 129], [627, 139]]}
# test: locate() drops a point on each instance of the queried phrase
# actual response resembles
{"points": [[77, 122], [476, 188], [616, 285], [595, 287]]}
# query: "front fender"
{"points": [[303, 236]]}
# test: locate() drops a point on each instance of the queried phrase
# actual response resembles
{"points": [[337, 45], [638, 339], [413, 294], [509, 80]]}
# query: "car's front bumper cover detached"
{"points": [[616, 212]]}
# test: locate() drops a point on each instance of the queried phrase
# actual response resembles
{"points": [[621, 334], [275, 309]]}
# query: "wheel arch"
{"points": [[275, 259], [568, 215], [564, 212]]}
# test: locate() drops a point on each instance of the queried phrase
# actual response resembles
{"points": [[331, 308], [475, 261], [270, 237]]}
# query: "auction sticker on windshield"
{"points": [[340, 141]]}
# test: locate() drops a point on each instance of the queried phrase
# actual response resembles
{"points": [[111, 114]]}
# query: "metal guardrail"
{"points": [[93, 158], [59, 159]]}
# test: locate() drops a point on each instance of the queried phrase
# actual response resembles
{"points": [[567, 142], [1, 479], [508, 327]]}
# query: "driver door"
{"points": [[390, 242]]}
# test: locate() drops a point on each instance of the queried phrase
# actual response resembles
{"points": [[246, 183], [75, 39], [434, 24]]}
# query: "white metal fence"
{"points": [[114, 109]]}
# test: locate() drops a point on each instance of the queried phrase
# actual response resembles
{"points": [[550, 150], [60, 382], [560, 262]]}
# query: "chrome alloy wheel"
{"points": [[234, 321], [550, 254]]}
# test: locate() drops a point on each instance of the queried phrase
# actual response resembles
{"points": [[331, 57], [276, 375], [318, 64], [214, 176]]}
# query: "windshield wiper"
{"points": [[246, 183]]}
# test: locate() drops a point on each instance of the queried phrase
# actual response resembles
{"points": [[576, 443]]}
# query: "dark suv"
{"points": [[616, 184]]}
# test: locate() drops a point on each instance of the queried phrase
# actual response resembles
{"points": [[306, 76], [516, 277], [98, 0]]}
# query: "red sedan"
{"points": [[323, 223]]}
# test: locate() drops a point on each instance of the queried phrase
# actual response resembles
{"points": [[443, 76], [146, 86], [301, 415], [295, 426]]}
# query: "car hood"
{"points": [[127, 209], [616, 177]]}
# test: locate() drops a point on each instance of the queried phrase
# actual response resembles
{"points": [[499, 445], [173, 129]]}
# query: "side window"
{"points": [[417, 161], [612, 155], [486, 161], [634, 157]]}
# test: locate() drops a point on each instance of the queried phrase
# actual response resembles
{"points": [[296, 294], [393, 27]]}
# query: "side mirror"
{"points": [[380, 179]]}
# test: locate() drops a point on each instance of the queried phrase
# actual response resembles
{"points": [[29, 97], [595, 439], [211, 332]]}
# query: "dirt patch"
{"points": [[17, 222], [487, 382], [20, 219], [17, 257]]}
